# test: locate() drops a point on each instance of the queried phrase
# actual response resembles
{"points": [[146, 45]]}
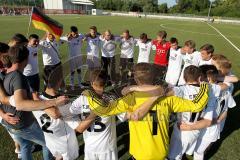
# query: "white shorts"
{"points": [[111, 155], [201, 146], [181, 142]]}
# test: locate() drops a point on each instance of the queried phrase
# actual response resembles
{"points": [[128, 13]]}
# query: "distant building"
{"points": [[68, 6]]}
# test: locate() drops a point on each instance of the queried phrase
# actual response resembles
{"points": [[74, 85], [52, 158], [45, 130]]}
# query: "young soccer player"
{"points": [[93, 45], [100, 138], [211, 133], [145, 46], [108, 49], [18, 39], [31, 71], [60, 137], [149, 137], [175, 63], [51, 58], [191, 57], [182, 141], [206, 51], [74, 40], [127, 44], [162, 48]]}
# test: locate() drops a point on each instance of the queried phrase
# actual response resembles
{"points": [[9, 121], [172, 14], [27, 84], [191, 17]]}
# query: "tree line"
{"points": [[223, 8]]}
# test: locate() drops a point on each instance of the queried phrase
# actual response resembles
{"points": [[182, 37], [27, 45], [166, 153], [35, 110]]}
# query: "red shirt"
{"points": [[161, 56]]}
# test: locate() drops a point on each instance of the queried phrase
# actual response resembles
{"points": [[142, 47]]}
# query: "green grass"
{"points": [[228, 147]]}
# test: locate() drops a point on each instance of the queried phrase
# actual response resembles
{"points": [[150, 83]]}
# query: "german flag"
{"points": [[43, 22]]}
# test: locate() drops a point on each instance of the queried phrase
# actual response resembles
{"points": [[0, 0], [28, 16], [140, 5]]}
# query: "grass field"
{"points": [[225, 149]]}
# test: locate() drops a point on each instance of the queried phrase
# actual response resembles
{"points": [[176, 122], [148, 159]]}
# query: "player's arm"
{"points": [[177, 104], [222, 117], [4, 99], [53, 112], [83, 125], [24, 104], [101, 108], [223, 86], [229, 79], [203, 123]]}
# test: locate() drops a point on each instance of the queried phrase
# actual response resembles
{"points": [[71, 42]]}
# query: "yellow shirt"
{"points": [[149, 138]]}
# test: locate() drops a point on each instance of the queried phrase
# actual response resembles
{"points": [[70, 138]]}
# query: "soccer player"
{"points": [[206, 51], [175, 63], [127, 44], [93, 46], [18, 39], [211, 133], [51, 58], [191, 57], [31, 71], [59, 135], [183, 140], [100, 138], [145, 46], [74, 40], [149, 137], [162, 48], [108, 49]]}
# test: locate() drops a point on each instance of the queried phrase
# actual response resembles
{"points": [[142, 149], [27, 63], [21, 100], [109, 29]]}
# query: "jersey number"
{"points": [[46, 122], [154, 122], [101, 127]]}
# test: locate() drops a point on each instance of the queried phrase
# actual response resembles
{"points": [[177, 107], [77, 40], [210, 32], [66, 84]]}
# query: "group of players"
{"points": [[199, 87]]}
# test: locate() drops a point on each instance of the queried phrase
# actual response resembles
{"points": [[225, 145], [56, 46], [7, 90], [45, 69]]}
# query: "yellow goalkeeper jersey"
{"points": [[149, 138]]}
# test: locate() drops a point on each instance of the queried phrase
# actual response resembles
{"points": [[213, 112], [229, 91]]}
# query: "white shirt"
{"points": [[50, 52], [203, 62], [144, 51], [127, 47], [74, 45], [93, 45], [189, 92], [174, 66], [101, 136], [60, 138], [32, 66], [108, 47], [189, 59]]}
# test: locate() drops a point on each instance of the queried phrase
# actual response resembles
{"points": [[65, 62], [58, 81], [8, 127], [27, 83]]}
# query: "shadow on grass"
{"points": [[231, 123]]}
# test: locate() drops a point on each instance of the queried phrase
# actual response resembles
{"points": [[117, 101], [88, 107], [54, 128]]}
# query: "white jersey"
{"points": [[182, 141], [203, 62], [93, 45], [127, 47], [74, 45], [144, 51], [108, 47], [50, 52], [100, 137], [212, 133], [60, 138], [32, 66], [189, 59], [174, 66]]}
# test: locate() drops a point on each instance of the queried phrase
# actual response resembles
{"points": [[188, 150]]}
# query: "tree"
{"points": [[163, 8]]}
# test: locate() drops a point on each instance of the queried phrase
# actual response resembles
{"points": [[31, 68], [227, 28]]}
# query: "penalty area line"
{"points": [[224, 37]]}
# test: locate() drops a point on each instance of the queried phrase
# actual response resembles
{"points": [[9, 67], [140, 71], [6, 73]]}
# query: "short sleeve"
{"points": [[19, 82], [64, 39], [78, 105]]}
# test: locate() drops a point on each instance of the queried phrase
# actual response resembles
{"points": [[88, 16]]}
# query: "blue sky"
{"points": [[169, 2]]}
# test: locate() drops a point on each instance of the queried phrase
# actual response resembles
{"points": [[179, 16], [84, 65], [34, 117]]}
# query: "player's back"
{"points": [[59, 136]]}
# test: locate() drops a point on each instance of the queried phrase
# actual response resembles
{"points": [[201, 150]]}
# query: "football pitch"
{"points": [[225, 149]]}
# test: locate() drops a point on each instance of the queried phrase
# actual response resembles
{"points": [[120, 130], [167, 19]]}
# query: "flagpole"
{"points": [[30, 21]]}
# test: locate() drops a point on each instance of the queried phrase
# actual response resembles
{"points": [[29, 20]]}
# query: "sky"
{"points": [[169, 2]]}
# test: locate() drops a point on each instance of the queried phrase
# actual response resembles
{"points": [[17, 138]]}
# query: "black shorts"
{"points": [[34, 82]]}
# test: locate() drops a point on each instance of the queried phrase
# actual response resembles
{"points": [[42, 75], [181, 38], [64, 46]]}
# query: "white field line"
{"points": [[208, 34], [225, 37]]}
